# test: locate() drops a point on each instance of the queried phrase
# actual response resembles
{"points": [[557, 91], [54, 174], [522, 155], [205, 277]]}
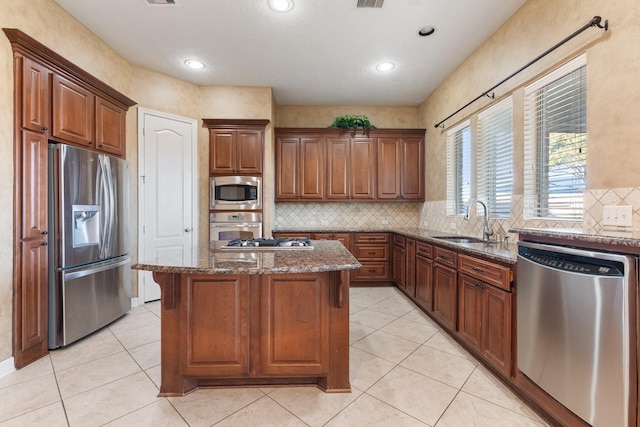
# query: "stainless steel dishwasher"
{"points": [[576, 329]]}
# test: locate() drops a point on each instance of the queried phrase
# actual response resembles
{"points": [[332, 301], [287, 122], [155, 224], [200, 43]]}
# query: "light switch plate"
{"points": [[617, 216]]}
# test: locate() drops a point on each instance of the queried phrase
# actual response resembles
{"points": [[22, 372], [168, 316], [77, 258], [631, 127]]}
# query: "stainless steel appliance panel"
{"points": [[234, 225], [576, 338], [91, 206], [88, 299], [235, 193]]}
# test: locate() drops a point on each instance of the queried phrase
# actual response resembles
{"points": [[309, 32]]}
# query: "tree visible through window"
{"points": [[556, 144]]}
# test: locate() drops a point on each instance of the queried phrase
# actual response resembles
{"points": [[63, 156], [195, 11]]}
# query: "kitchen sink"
{"points": [[460, 239]]}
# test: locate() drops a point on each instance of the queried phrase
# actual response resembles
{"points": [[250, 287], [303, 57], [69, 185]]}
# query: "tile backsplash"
{"points": [[432, 215], [315, 216]]}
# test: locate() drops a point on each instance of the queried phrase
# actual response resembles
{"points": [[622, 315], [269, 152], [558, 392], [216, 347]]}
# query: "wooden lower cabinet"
{"points": [[294, 338], [215, 325], [344, 238], [266, 329], [372, 250], [484, 321], [424, 283], [445, 302]]}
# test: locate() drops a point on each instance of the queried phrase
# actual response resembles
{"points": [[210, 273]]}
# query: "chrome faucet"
{"points": [[486, 230]]}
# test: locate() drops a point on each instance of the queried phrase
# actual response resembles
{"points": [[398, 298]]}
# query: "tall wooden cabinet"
{"points": [[53, 100]]}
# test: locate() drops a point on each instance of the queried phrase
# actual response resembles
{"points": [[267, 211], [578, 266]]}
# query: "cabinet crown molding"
{"points": [[25, 45], [235, 123], [371, 133]]}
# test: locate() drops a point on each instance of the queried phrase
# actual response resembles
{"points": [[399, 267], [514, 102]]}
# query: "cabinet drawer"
{"points": [[371, 238], [445, 256], [486, 271], [365, 252], [372, 271], [399, 241], [424, 250]]}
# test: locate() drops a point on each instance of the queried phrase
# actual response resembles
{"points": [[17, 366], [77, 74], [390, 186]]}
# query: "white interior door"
{"points": [[168, 192]]}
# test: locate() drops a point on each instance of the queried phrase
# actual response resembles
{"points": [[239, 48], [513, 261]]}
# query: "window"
{"points": [[458, 169], [495, 166], [556, 143]]}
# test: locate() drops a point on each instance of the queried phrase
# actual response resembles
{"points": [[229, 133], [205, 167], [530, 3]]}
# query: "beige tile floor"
{"points": [[405, 371]]}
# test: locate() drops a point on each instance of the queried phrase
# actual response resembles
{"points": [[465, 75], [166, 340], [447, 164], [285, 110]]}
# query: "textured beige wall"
{"points": [[322, 116], [613, 92]]}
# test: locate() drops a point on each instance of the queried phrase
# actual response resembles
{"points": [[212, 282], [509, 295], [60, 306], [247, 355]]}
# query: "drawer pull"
{"points": [[372, 253], [443, 257], [371, 271], [479, 270]]}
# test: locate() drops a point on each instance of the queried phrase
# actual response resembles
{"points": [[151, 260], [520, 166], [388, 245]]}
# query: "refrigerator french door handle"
{"points": [[102, 267], [112, 203]]}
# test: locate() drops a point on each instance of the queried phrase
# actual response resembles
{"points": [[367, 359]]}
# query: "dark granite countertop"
{"points": [[326, 255], [500, 252], [605, 237]]}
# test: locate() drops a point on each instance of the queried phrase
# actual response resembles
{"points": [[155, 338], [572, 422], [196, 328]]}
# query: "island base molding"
{"points": [[254, 330]]}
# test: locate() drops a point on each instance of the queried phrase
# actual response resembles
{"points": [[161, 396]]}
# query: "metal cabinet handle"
{"points": [[44, 243], [372, 253], [477, 269], [44, 128], [90, 142], [44, 233]]}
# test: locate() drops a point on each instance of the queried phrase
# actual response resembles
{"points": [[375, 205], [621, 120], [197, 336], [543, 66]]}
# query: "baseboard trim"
{"points": [[6, 367]]}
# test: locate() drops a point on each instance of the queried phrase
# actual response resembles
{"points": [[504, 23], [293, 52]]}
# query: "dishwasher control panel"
{"points": [[573, 263]]}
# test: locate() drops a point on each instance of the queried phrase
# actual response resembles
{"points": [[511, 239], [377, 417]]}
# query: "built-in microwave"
{"points": [[235, 193]]}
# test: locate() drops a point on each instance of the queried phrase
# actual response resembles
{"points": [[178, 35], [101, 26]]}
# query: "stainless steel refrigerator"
{"points": [[89, 262]]}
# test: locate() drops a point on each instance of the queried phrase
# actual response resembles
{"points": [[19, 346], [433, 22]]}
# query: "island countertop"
{"points": [[326, 255]]}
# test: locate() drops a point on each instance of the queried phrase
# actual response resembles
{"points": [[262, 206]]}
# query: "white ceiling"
{"points": [[323, 52]]}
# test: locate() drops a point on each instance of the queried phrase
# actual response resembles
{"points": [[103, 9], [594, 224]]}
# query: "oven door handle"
{"points": [[234, 224]]}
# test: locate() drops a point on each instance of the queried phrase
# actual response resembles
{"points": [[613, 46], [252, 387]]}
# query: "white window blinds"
{"points": [[458, 169], [495, 167], [556, 143]]}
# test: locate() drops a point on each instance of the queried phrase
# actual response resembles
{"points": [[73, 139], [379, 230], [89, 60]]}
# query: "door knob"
{"points": [[187, 230]]}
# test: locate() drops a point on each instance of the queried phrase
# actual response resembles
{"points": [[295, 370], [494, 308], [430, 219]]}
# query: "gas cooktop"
{"points": [[262, 243]]}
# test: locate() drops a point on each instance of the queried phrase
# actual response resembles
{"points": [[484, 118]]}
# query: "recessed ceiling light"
{"points": [[385, 66], [281, 5], [194, 63], [426, 31]]}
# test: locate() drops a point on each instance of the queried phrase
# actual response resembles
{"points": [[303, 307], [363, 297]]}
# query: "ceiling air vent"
{"points": [[370, 3], [161, 2]]}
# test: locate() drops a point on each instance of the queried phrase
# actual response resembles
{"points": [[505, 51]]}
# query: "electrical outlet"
{"points": [[618, 216], [385, 222], [425, 223], [452, 226], [324, 222]]}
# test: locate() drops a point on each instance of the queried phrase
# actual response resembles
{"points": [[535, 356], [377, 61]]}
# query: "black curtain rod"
{"points": [[595, 22]]}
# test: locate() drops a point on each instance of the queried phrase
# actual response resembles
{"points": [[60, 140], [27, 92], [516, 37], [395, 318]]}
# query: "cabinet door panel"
{"points": [[215, 327], [470, 311], [73, 112], [34, 96], [445, 295], [32, 300], [424, 285], [388, 168], [287, 186], [412, 169], [497, 328], [311, 168], [399, 266], [222, 154], [338, 160], [295, 325], [249, 151], [410, 267], [110, 127], [363, 168], [34, 185]]}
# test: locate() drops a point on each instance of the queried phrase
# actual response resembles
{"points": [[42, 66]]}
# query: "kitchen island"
{"points": [[254, 317]]}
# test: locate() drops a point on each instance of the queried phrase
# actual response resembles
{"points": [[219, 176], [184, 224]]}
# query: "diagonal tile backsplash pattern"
{"points": [[432, 215]]}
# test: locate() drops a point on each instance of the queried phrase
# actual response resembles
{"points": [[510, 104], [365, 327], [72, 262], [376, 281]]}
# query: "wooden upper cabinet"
{"points": [[287, 168], [312, 165], [235, 151], [110, 127], [73, 112], [401, 168], [236, 146], [35, 101], [82, 118], [338, 168], [389, 168], [382, 164], [363, 168]]}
